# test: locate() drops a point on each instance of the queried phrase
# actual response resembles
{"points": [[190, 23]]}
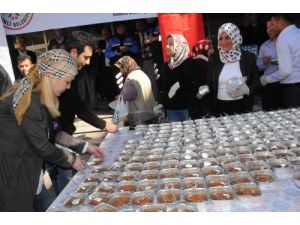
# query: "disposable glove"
{"points": [[173, 90], [239, 91], [263, 80], [202, 91]]}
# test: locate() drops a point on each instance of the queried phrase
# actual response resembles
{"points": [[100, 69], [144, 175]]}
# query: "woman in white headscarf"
{"points": [[232, 74], [26, 112], [178, 82]]}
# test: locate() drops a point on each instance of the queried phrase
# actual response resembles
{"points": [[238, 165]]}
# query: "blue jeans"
{"points": [[61, 178], [177, 115]]}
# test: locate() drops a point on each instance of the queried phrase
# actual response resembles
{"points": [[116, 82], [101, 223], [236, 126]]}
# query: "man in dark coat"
{"points": [[80, 44], [21, 51], [71, 103]]}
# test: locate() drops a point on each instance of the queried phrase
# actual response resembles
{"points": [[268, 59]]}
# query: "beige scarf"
{"points": [[182, 50]]}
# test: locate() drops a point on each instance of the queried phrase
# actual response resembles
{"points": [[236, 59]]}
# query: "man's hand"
{"points": [[96, 151], [78, 164], [111, 127], [266, 59]]}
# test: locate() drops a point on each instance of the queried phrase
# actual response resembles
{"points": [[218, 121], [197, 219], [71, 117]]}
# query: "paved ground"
{"points": [[85, 132]]}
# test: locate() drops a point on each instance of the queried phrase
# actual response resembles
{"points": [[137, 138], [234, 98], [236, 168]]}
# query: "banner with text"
{"points": [[20, 23]]}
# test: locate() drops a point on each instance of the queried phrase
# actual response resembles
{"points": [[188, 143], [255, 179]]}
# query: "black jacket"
{"points": [[23, 148], [188, 75], [248, 70], [167, 80], [71, 104]]}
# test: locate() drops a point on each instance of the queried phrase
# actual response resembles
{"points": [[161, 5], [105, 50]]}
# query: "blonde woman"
{"points": [[26, 112]]}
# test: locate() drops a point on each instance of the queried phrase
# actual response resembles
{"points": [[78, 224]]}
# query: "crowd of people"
{"points": [[51, 90]]}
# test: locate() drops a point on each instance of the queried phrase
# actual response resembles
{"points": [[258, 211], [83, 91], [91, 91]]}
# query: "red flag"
{"points": [[190, 25]]}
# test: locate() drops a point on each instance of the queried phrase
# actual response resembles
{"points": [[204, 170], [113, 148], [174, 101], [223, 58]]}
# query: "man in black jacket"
{"points": [[21, 51], [80, 45]]}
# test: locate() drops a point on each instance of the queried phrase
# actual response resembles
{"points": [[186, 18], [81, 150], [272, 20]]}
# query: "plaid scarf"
{"points": [[54, 63]]}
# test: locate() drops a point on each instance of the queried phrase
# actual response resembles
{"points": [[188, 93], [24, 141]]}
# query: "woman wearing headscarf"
{"points": [[26, 112], [136, 93], [232, 74], [201, 51], [180, 79]]}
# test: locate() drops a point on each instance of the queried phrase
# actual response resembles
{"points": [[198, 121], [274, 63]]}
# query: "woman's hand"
{"points": [[96, 151], [78, 164], [240, 91], [111, 127]]}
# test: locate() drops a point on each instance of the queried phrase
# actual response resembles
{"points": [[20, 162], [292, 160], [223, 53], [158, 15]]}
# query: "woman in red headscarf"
{"points": [[201, 104]]}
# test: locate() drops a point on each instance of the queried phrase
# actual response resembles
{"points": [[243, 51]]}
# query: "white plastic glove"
{"points": [[173, 90], [240, 91], [158, 107], [159, 112], [202, 91], [263, 80]]}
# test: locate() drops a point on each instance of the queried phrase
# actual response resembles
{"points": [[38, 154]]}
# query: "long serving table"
{"points": [[271, 137], [112, 145]]}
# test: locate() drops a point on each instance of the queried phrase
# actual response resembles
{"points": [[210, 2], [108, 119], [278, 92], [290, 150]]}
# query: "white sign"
{"points": [[20, 23], [4, 54], [16, 21]]}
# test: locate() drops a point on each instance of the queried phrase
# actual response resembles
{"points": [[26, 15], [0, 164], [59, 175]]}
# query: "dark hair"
{"points": [[119, 23], [102, 44], [21, 58], [78, 40], [288, 17], [143, 21]]}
